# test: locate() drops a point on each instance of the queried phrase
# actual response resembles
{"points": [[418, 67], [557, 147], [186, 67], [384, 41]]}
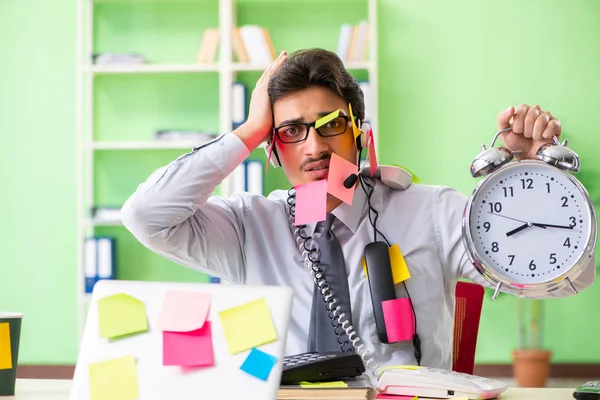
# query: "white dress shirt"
{"points": [[247, 239]]}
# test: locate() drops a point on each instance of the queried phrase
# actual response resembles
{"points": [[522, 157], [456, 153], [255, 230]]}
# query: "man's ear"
{"points": [[272, 155], [361, 140]]}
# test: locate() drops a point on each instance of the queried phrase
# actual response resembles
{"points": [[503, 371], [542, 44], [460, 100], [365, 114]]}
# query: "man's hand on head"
{"points": [[257, 128]]}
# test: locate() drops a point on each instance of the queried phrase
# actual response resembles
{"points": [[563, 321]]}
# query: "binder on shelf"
{"points": [[239, 104], [248, 177], [353, 42], [99, 260], [365, 87], [214, 279]]}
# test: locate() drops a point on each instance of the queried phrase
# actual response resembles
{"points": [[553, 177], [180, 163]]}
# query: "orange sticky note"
{"points": [[121, 314], [399, 269], [323, 120], [114, 379], [372, 154], [183, 311], [354, 127], [311, 202], [339, 170], [5, 353], [248, 325]]}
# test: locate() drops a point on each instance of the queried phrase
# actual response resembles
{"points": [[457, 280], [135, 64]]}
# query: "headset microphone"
{"points": [[350, 181]]}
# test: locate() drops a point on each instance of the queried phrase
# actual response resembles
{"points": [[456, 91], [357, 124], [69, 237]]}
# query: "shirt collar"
{"points": [[350, 215]]}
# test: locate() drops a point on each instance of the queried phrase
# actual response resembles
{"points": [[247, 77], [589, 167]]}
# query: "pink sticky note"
{"points": [[311, 202], [372, 154], [399, 319], [183, 311], [189, 349], [339, 170]]}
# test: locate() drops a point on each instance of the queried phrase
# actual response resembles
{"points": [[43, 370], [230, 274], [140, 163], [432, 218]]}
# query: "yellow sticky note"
{"points": [[354, 127], [121, 314], [415, 178], [399, 269], [406, 367], [332, 384], [248, 325], [323, 120], [114, 379], [5, 353]]}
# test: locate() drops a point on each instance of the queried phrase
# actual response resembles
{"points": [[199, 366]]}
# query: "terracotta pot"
{"points": [[531, 368]]}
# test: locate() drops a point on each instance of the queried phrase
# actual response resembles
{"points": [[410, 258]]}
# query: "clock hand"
{"points": [[552, 226], [519, 229], [504, 216]]}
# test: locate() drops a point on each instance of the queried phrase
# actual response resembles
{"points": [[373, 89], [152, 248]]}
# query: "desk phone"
{"points": [[321, 366]]}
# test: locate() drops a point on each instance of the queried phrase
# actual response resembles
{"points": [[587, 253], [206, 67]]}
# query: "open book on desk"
{"points": [[359, 388]]}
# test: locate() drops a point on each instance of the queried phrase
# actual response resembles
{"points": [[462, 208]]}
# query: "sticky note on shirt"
{"points": [[189, 349], [183, 311], [399, 268], [323, 120], [321, 385], [5, 350], [311, 202], [121, 314], [259, 364], [114, 379], [248, 325], [339, 170]]}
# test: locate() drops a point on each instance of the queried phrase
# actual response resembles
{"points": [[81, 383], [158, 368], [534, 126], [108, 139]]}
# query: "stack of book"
{"points": [[353, 42], [359, 388], [251, 44]]}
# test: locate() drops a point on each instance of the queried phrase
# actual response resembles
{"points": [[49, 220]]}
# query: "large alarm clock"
{"points": [[529, 226]]}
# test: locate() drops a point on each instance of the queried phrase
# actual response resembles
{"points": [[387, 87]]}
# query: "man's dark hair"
{"points": [[317, 67]]}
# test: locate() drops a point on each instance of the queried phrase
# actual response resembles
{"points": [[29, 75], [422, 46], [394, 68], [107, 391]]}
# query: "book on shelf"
{"points": [[253, 44], [353, 42], [359, 388], [209, 46], [118, 59], [184, 135]]}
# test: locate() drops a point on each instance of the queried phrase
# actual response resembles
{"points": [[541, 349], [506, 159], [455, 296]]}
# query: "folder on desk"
{"points": [[359, 388]]}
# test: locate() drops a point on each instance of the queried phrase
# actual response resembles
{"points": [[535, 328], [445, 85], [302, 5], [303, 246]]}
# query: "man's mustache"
{"points": [[311, 160]]}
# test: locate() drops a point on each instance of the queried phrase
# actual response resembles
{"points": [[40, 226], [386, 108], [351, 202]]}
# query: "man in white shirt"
{"points": [[249, 239]]}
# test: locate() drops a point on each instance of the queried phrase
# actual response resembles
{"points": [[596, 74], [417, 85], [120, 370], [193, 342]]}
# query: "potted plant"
{"points": [[531, 362]]}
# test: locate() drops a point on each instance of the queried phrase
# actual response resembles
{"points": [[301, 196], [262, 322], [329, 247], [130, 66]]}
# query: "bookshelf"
{"points": [[120, 106]]}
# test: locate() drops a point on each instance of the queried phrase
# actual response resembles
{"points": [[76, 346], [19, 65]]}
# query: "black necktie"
{"points": [[322, 336]]}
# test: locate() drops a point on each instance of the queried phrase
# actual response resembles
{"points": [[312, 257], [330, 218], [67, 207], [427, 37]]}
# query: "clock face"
{"points": [[529, 222]]}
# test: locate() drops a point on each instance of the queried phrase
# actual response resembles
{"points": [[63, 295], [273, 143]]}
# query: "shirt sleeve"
{"points": [[175, 214]]}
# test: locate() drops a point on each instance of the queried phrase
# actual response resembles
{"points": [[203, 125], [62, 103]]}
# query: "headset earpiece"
{"points": [[274, 157], [362, 139]]}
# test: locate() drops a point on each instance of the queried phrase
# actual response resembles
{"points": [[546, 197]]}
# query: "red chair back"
{"points": [[469, 301]]}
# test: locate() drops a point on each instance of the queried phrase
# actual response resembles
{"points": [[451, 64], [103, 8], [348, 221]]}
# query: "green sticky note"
{"points": [[415, 179], [332, 384], [323, 120], [248, 325], [114, 379], [120, 315]]}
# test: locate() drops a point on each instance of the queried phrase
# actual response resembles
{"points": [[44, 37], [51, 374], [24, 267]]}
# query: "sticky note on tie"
{"points": [[354, 127], [5, 349], [248, 325], [259, 364], [183, 311], [339, 170], [120, 315], [322, 385], [114, 379], [311, 202], [372, 155], [189, 349], [399, 269], [323, 120]]}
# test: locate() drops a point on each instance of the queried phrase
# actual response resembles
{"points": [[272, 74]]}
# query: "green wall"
{"points": [[446, 70]]}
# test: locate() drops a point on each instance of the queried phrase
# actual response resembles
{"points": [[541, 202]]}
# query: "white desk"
{"points": [[39, 389]]}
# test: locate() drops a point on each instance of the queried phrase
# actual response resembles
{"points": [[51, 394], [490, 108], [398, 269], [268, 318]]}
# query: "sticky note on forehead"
{"points": [[323, 120]]}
